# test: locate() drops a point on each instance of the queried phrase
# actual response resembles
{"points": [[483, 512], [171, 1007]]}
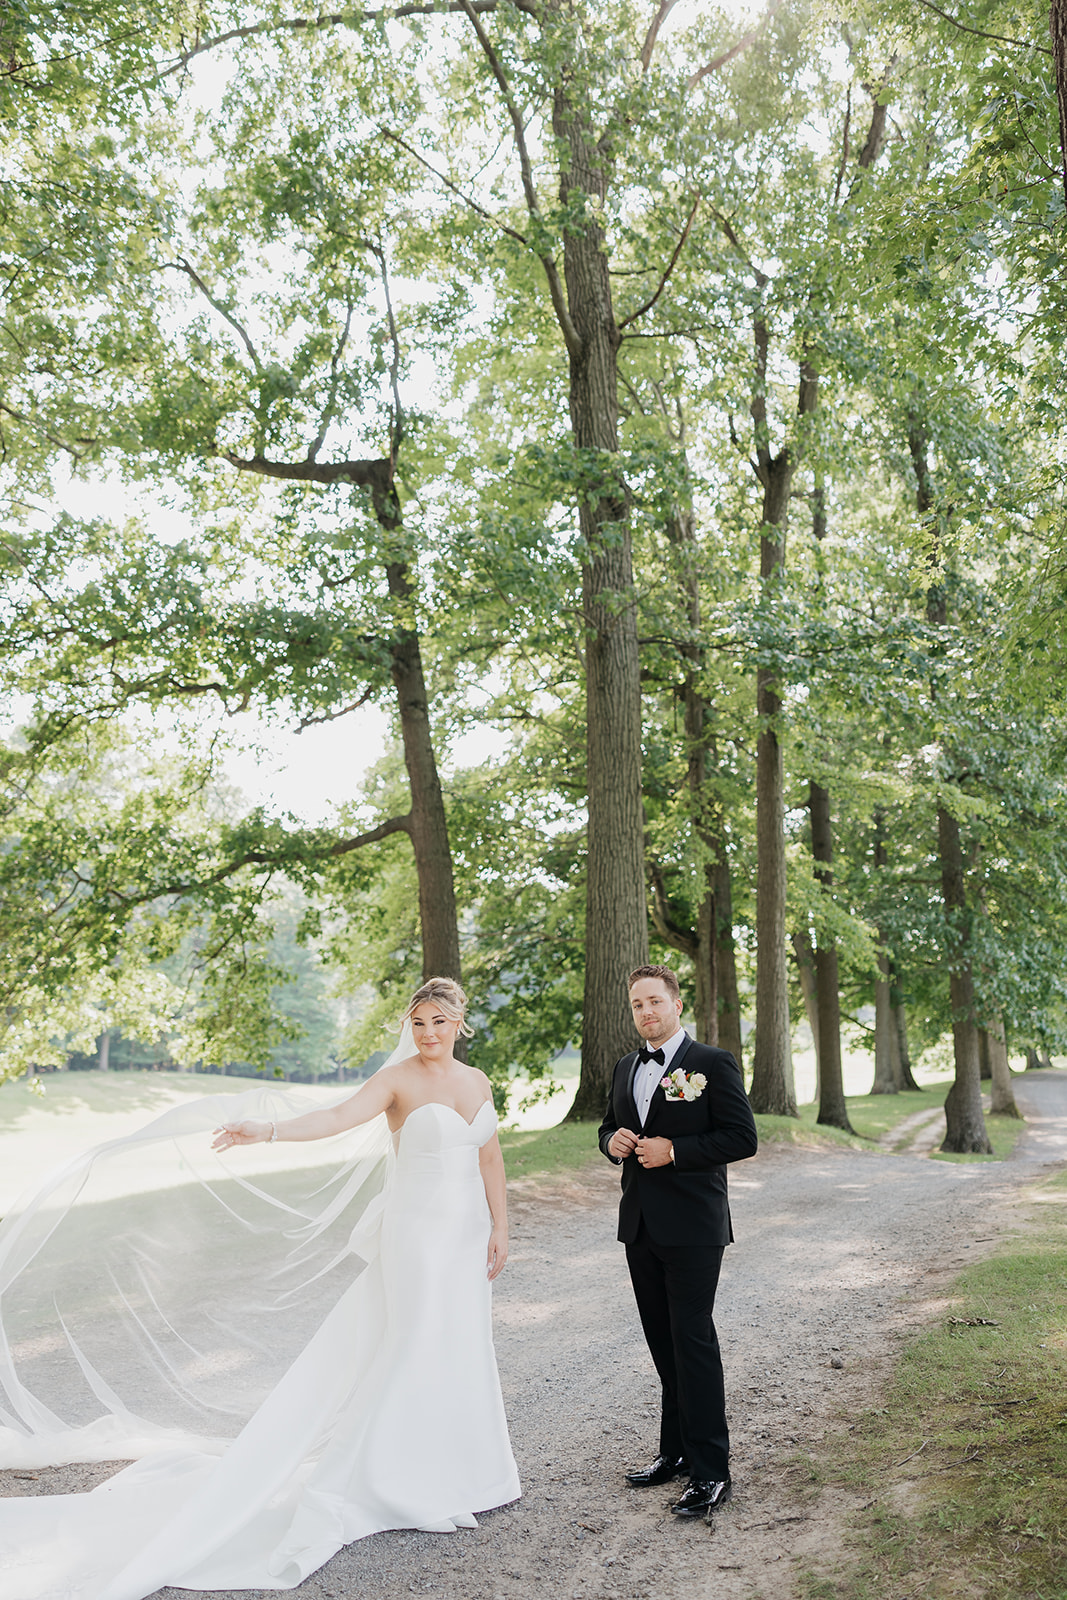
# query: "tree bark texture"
{"points": [[1002, 1094], [103, 1052], [713, 953], [729, 1020], [833, 1111], [772, 1057], [429, 825], [903, 1053], [616, 918], [1057, 26], [805, 958], [985, 1067], [885, 1079], [966, 1132], [963, 1105]]}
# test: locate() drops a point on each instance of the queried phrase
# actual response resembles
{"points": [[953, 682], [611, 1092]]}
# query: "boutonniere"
{"points": [[679, 1085]]}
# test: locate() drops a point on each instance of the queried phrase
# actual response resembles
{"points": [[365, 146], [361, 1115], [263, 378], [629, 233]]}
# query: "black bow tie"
{"points": [[644, 1056]]}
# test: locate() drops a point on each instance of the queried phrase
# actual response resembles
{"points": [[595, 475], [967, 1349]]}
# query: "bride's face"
{"points": [[434, 1034]]}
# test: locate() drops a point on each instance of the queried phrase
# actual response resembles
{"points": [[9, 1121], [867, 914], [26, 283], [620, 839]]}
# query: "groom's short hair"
{"points": [[666, 976]]}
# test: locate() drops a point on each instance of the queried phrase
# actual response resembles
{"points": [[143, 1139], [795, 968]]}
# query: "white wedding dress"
{"points": [[390, 1417]]}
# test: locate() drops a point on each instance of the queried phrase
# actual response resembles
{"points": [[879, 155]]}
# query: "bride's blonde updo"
{"points": [[448, 996]]}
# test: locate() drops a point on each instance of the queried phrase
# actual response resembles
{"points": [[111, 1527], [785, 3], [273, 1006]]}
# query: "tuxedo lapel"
{"points": [[659, 1098], [631, 1074], [680, 1052]]}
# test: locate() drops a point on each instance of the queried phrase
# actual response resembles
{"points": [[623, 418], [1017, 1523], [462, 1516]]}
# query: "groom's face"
{"points": [[655, 1010]]}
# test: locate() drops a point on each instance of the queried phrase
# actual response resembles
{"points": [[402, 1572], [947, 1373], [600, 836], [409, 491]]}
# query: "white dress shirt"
{"points": [[649, 1073]]}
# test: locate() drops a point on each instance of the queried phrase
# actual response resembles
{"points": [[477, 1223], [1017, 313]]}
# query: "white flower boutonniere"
{"points": [[678, 1085]]}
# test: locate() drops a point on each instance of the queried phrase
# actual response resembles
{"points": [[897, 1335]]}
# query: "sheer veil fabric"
{"points": [[228, 1323]]}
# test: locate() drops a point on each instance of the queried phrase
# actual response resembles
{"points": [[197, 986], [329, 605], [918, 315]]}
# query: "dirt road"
{"points": [[839, 1254]]}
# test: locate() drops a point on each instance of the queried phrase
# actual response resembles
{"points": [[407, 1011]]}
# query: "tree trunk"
{"points": [[900, 1019], [429, 825], [729, 1020], [103, 1051], [963, 1105], [616, 927], [771, 1053], [985, 1068], [772, 1060], [770, 1057], [1003, 1095], [698, 743], [705, 997], [805, 958], [888, 1055], [885, 1080], [833, 1112]]}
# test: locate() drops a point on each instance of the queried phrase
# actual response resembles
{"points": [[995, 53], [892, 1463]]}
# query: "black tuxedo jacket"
{"points": [[684, 1202]]}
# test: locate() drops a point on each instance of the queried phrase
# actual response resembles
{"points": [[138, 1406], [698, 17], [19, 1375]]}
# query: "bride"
{"points": [[389, 1417]]}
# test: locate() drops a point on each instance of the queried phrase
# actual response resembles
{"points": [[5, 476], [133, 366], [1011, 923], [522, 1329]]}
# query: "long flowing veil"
{"points": [[152, 1292]]}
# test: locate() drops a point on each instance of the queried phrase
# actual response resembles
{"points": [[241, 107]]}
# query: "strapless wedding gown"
{"points": [[391, 1417]]}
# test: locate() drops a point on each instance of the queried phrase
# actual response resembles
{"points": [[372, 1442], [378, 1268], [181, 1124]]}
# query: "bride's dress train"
{"points": [[391, 1417]]}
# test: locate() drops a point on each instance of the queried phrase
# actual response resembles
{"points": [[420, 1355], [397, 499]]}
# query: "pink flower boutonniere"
{"points": [[679, 1085]]}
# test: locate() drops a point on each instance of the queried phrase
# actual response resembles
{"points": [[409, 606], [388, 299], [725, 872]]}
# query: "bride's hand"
{"points": [[232, 1133], [498, 1252]]}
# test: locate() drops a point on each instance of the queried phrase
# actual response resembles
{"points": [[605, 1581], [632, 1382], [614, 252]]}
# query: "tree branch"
{"points": [[679, 247], [872, 145], [328, 409], [665, 9], [71, 450], [335, 19], [678, 938], [571, 336], [266, 858], [980, 33], [395, 138], [332, 716], [844, 146], [375, 475], [735, 50], [762, 280], [183, 266], [396, 431]]}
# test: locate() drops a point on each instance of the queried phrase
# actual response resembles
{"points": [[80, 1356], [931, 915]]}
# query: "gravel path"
{"points": [[839, 1255]]}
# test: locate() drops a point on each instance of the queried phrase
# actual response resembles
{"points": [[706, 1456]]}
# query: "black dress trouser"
{"points": [[674, 1286]]}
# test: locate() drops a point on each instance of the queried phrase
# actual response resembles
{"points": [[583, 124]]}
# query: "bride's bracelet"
{"points": [[273, 1133]]}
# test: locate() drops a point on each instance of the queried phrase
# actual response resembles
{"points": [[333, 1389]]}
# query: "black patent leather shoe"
{"points": [[702, 1496], [662, 1470]]}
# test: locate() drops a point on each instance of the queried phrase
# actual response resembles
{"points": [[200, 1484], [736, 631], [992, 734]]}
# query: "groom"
{"points": [[673, 1145]]}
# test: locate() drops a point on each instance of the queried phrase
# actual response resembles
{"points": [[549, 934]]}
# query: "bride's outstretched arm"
{"points": [[491, 1162], [369, 1101]]}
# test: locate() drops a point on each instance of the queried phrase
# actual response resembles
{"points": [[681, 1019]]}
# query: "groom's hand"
{"points": [[654, 1152], [622, 1144]]}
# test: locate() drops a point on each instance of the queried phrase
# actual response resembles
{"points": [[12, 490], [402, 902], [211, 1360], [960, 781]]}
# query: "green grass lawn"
{"points": [[1003, 1133], [966, 1463], [72, 1093], [871, 1115], [549, 1152]]}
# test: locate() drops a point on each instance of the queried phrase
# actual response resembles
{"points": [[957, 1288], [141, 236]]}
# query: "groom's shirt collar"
{"points": [[650, 1072], [672, 1047]]}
